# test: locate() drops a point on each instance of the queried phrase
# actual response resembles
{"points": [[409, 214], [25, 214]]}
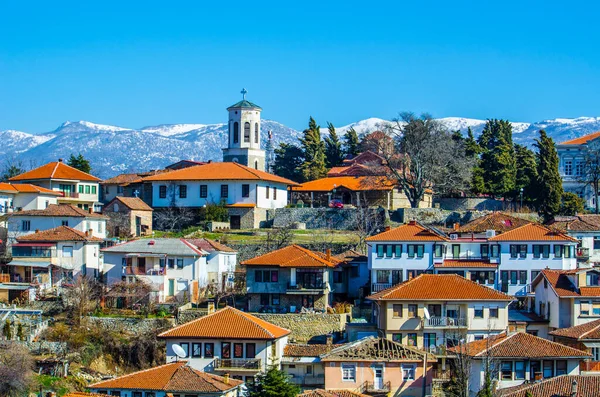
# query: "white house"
{"points": [[586, 229], [220, 260], [26, 222], [170, 265], [25, 196], [228, 341], [75, 187]]}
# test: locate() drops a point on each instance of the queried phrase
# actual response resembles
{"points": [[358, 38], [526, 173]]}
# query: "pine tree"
{"points": [[313, 149], [288, 162], [549, 184], [498, 158], [333, 148], [273, 383], [80, 162], [526, 178], [571, 204], [351, 143], [472, 148]]}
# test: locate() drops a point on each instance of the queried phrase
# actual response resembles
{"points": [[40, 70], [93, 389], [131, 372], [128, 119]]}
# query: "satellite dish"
{"points": [[425, 311], [179, 352]]}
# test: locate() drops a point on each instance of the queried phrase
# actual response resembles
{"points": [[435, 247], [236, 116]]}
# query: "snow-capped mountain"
{"points": [[113, 150]]}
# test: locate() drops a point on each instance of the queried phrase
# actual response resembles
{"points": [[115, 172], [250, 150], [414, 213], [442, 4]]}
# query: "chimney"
{"points": [[456, 226], [37, 230], [329, 340], [60, 160], [412, 223], [91, 210], [226, 379], [87, 233], [91, 231], [388, 228], [328, 254], [574, 389]]}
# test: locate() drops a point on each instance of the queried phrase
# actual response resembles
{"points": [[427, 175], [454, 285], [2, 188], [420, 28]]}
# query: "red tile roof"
{"points": [[354, 183], [60, 210], [466, 263], [26, 188], [578, 223], [411, 231], [533, 232], [559, 386], [331, 393], [562, 286], [60, 233], [209, 245], [582, 139], [440, 287], [227, 323], [218, 172], [498, 221], [517, 345], [587, 331], [173, 377], [55, 170], [133, 203], [292, 256], [123, 179]]}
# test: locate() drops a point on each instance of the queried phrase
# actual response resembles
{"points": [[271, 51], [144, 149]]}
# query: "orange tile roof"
{"points": [[582, 139], [559, 386], [219, 172], [55, 170], [60, 233], [26, 188], [84, 394], [241, 205], [562, 286], [440, 287], [466, 263], [411, 231], [587, 331], [133, 203], [354, 183], [292, 256], [498, 221], [331, 393], [173, 377], [532, 232], [227, 323], [516, 345], [67, 210]]}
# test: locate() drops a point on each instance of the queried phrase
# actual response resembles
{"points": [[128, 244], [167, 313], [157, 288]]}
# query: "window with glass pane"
{"points": [[558, 251], [596, 353], [171, 262], [411, 250], [397, 338], [420, 251], [485, 250], [478, 312], [245, 190], [519, 370], [225, 349], [380, 248], [186, 348], [455, 251], [513, 251], [495, 249], [493, 312], [523, 251], [522, 277], [411, 339], [258, 276], [396, 276], [545, 251], [264, 299], [180, 263], [238, 350], [250, 350], [596, 308], [506, 370], [513, 277], [561, 367], [209, 350], [397, 309], [593, 279], [408, 372], [348, 372], [548, 369], [398, 250], [224, 191], [383, 276], [203, 191], [388, 250], [568, 167], [536, 251], [183, 191], [196, 349], [534, 274], [438, 250], [275, 300], [275, 276], [412, 311]]}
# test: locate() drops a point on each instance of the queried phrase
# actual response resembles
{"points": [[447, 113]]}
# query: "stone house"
{"points": [[128, 217], [289, 279]]}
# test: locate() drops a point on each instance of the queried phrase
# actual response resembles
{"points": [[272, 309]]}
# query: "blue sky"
{"points": [[143, 63]]}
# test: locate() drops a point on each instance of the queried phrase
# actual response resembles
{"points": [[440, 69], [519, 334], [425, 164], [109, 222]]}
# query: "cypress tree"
{"points": [[498, 158], [313, 149], [333, 148], [526, 173], [288, 162], [549, 185], [472, 148], [351, 144]]}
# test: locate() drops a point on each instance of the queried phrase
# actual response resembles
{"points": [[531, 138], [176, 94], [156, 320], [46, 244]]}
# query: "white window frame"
{"points": [[410, 370], [348, 372], [66, 249]]}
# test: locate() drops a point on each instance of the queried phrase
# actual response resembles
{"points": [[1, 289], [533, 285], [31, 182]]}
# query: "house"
{"points": [[129, 217], [355, 276], [378, 366], [25, 196], [220, 260], [507, 261], [303, 363], [173, 379], [584, 337], [520, 358], [26, 222], [559, 386], [289, 279], [331, 393], [497, 221], [432, 311], [572, 156], [43, 260], [567, 298], [586, 229], [228, 341], [527, 321], [184, 164], [246, 192], [75, 187], [169, 265]]}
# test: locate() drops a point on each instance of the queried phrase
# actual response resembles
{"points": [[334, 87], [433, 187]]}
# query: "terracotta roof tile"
{"points": [[559, 386], [351, 256], [26, 188], [582, 139], [227, 323], [209, 245], [579, 223], [532, 232], [55, 170], [562, 286], [466, 263], [173, 377], [123, 179], [411, 231], [440, 287], [354, 183], [60, 210], [331, 393], [84, 394], [310, 350], [587, 331], [133, 203], [376, 349], [60, 233], [498, 221], [218, 171], [292, 256], [518, 344]]}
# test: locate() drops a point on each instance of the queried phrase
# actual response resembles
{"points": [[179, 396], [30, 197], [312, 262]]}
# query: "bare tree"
{"points": [[173, 218], [81, 297], [425, 157], [366, 222], [12, 167], [219, 292], [590, 175], [278, 238], [16, 370]]}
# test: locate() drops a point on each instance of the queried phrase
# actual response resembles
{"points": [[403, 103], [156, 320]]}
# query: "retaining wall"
{"points": [[319, 218], [437, 216], [131, 325]]}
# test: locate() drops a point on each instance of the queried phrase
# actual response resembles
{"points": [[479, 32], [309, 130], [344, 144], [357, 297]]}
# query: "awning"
{"points": [[33, 245], [21, 287], [29, 264]]}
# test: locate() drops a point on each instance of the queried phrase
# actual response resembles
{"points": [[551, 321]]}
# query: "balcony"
{"points": [[237, 364], [376, 287], [582, 254], [441, 322], [136, 271], [74, 195], [308, 380], [372, 388], [306, 288]]}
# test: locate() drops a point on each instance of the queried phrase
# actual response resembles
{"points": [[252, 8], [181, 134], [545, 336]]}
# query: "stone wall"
{"points": [[130, 325], [471, 203], [319, 218], [45, 347], [185, 316], [437, 216], [307, 326]]}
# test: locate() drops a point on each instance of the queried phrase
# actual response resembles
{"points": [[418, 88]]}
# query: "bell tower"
{"points": [[243, 138]]}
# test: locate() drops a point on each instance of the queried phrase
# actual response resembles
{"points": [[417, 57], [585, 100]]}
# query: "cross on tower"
{"points": [[244, 92]]}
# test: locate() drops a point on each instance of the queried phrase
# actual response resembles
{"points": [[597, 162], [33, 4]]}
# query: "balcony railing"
{"points": [[372, 388], [70, 194], [136, 271], [308, 380], [582, 253], [306, 286], [238, 364], [380, 286], [445, 322]]}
